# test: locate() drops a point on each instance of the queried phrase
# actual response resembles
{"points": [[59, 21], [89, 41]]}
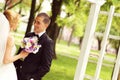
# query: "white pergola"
{"points": [[87, 42]]}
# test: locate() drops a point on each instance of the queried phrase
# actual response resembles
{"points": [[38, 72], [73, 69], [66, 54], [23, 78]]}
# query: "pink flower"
{"points": [[30, 44]]}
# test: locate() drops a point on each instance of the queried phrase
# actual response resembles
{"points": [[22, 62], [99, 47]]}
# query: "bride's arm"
{"points": [[8, 58]]}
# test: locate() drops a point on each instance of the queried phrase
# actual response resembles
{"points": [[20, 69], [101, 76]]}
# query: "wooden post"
{"points": [[117, 67], [87, 40], [104, 43]]}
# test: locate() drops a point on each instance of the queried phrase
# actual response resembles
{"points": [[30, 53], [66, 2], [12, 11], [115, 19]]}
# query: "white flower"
{"points": [[30, 44]]}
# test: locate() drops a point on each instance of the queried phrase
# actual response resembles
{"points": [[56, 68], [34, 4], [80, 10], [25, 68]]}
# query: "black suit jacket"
{"points": [[36, 65]]}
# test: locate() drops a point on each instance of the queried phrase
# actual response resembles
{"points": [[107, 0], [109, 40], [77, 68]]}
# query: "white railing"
{"points": [[104, 43], [87, 40], [109, 36]]}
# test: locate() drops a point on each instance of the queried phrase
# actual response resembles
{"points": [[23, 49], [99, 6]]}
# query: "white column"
{"points": [[117, 66], [87, 40], [104, 43]]}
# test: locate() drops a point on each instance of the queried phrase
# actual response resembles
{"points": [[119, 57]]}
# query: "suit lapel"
{"points": [[41, 38]]}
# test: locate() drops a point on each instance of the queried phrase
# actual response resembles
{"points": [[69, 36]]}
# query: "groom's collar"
{"points": [[41, 33]]}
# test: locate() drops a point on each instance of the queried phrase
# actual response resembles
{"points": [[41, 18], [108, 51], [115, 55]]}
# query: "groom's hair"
{"points": [[46, 18]]}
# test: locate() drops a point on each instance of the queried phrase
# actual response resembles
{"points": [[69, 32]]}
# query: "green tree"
{"points": [[32, 14]]}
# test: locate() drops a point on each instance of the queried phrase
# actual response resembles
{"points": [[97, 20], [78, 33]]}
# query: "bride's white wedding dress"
{"points": [[7, 71]]}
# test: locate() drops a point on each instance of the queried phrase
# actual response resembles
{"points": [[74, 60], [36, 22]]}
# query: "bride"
{"points": [[8, 23]]}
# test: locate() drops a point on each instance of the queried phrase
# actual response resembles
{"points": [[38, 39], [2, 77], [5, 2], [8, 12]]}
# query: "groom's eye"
{"points": [[36, 22]]}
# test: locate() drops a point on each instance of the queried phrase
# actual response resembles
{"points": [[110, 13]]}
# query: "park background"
{"points": [[69, 18]]}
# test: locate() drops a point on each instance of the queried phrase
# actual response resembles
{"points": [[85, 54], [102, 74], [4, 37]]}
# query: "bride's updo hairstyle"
{"points": [[13, 18]]}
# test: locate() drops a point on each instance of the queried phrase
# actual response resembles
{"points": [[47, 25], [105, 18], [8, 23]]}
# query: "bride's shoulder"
{"points": [[1, 14]]}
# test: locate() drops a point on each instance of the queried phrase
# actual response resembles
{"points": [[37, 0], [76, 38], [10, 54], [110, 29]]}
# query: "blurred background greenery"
{"points": [[69, 18]]}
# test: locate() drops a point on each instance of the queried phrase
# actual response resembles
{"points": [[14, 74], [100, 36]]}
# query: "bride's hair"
{"points": [[8, 21], [12, 17]]}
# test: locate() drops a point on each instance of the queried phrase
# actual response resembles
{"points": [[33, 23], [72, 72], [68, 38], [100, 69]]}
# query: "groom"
{"points": [[35, 66]]}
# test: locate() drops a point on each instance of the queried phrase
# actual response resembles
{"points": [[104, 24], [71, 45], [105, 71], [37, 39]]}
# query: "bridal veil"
{"points": [[4, 31]]}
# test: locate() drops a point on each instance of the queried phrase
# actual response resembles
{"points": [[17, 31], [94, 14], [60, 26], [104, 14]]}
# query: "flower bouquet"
{"points": [[30, 44]]}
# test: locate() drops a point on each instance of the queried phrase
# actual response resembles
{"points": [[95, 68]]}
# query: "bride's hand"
{"points": [[24, 54]]}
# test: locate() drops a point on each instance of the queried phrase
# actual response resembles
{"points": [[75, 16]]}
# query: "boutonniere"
{"points": [[30, 44]]}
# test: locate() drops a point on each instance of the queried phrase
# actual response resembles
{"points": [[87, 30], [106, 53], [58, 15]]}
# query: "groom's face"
{"points": [[39, 25]]}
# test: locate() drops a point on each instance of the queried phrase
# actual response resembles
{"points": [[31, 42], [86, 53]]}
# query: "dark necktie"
{"points": [[36, 35]]}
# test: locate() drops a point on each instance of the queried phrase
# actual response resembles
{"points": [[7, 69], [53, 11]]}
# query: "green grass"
{"points": [[105, 71], [62, 69], [62, 48]]}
